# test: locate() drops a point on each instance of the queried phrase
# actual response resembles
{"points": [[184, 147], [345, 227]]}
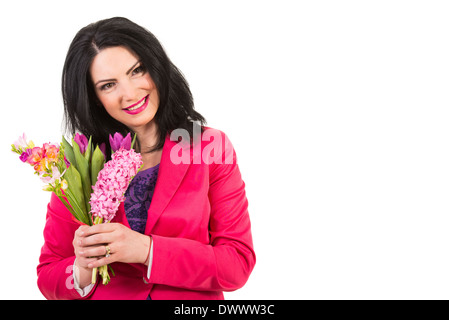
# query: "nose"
{"points": [[128, 92]]}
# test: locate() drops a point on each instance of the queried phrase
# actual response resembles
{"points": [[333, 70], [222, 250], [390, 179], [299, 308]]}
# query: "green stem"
{"points": [[67, 205], [76, 207], [104, 274], [134, 140], [97, 220], [94, 275]]}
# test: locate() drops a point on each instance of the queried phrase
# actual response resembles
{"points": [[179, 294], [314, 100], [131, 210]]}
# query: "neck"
{"points": [[147, 136]]}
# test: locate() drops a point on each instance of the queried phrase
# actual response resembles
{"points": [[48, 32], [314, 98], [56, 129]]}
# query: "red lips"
{"points": [[138, 110]]}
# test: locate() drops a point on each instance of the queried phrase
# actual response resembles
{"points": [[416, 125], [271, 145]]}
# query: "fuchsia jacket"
{"points": [[199, 222]]}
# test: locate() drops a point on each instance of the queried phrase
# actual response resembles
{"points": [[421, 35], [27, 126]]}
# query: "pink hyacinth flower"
{"points": [[113, 180]]}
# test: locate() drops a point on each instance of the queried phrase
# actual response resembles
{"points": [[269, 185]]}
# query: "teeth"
{"points": [[137, 106]]}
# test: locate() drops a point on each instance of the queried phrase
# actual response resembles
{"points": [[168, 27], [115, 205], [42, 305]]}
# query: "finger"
{"points": [[96, 239], [101, 261], [84, 262], [93, 251], [99, 228], [81, 230]]}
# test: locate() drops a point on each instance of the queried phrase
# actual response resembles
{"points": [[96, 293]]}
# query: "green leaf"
{"points": [[75, 192], [68, 151], [78, 212], [75, 213], [88, 153], [97, 164], [83, 169]]}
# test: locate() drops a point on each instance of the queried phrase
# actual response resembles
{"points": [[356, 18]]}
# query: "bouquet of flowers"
{"points": [[90, 189]]}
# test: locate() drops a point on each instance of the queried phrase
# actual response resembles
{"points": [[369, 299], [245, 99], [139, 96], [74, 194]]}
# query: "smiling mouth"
{"points": [[137, 105]]}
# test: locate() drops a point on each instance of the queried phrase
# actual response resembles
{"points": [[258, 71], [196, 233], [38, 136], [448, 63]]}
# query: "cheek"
{"points": [[149, 83], [154, 100], [154, 94], [108, 102]]}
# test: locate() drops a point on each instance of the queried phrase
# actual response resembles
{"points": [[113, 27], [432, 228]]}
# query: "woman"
{"points": [[184, 230]]}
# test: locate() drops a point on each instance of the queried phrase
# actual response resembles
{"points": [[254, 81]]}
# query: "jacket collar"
{"points": [[169, 178]]}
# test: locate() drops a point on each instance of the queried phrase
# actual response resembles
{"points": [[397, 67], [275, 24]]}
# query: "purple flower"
{"points": [[24, 156], [82, 142], [118, 141], [102, 147], [67, 162]]}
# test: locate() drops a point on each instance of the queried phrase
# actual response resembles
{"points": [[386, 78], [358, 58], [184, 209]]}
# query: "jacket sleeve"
{"points": [[227, 261], [55, 269]]}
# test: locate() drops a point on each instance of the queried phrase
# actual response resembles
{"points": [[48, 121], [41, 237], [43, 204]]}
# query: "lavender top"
{"points": [[138, 198]]}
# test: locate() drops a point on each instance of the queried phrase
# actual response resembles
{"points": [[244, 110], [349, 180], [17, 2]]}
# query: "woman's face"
{"points": [[124, 87]]}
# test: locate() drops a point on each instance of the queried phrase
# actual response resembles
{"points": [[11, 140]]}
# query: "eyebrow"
{"points": [[127, 73]]}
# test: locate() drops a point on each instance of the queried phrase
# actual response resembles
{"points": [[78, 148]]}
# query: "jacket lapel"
{"points": [[169, 178]]}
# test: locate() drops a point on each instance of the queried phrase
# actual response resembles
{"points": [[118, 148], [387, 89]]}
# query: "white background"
{"points": [[338, 111]]}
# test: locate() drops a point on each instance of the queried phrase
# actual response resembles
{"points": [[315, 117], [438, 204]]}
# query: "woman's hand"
{"points": [[125, 245], [90, 243]]}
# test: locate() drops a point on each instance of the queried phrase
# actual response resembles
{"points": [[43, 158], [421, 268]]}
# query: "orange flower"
{"points": [[51, 152], [41, 166], [37, 154], [41, 157]]}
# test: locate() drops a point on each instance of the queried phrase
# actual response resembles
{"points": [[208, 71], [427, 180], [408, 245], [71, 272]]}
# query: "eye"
{"points": [[107, 86], [139, 69]]}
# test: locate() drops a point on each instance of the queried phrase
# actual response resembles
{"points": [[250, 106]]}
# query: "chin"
{"points": [[145, 122]]}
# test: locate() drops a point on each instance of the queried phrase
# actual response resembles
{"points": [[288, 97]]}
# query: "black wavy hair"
{"points": [[82, 110]]}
